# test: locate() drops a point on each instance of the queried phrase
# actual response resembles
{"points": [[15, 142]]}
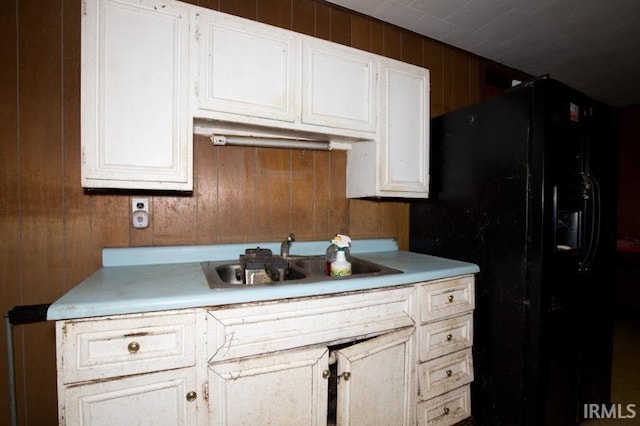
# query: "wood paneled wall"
{"points": [[52, 231], [629, 175]]}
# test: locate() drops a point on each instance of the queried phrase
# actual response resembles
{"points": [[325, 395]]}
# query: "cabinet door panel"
{"points": [[151, 399], [338, 86], [285, 388], [375, 381], [246, 69], [135, 127], [404, 149]]}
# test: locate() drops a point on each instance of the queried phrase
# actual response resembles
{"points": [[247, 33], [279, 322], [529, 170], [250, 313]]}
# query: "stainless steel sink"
{"points": [[301, 270]]}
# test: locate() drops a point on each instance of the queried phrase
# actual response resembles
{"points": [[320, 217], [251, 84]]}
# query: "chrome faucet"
{"points": [[286, 245]]}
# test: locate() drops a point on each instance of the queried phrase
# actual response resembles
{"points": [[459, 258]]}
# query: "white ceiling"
{"points": [[591, 45]]}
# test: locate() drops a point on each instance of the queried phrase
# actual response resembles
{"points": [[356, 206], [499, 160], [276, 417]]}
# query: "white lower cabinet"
{"points": [[445, 362], [164, 398], [369, 357], [276, 389]]}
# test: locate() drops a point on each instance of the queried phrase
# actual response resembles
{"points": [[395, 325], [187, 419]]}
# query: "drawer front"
{"points": [[447, 409], [269, 327], [118, 346], [445, 373], [446, 298], [445, 336]]}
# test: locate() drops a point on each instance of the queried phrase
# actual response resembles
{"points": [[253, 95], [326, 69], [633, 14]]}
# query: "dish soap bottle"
{"points": [[341, 267]]}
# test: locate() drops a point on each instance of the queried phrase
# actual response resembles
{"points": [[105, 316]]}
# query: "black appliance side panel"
{"points": [[478, 213]]}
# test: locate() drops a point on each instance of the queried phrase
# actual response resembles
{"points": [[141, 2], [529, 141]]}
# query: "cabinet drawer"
{"points": [[447, 409], [117, 346], [445, 336], [446, 298], [445, 373]]}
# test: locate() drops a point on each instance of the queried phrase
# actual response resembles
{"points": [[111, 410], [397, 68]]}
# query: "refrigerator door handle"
{"points": [[591, 195]]}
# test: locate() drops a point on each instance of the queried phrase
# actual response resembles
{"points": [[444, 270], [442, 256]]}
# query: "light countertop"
{"points": [[146, 279]]}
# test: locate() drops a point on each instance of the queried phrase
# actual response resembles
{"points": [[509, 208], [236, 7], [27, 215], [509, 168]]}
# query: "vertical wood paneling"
{"points": [[303, 194], [41, 194], [323, 21], [341, 27], [236, 194], [206, 189], [244, 8], [392, 42], [275, 12], [339, 220], [304, 16], [77, 206], [273, 189], [10, 248], [175, 220], [361, 33], [377, 37], [53, 231], [322, 195], [433, 60], [412, 51]]}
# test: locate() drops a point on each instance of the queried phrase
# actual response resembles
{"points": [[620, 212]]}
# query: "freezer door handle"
{"points": [[593, 208]]}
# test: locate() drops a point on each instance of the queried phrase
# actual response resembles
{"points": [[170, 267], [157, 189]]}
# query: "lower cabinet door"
{"points": [[374, 381], [282, 388], [164, 398]]}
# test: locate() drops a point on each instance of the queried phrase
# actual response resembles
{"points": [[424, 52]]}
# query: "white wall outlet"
{"points": [[140, 212]]}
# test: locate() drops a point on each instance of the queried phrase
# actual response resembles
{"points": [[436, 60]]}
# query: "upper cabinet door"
{"points": [[404, 142], [136, 130], [339, 86], [246, 68]]}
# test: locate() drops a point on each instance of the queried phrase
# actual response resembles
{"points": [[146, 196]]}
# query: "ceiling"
{"points": [[591, 45]]}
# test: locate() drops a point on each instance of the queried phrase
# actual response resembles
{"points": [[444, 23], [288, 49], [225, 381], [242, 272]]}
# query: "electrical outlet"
{"points": [[140, 204], [140, 212]]}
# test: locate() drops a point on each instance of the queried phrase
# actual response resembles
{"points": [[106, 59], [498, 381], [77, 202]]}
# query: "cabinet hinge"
{"points": [[205, 391]]}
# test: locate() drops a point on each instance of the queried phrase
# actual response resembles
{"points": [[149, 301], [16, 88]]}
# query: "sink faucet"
{"points": [[286, 245]]}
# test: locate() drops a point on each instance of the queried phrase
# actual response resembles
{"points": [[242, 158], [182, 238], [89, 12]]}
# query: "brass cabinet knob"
{"points": [[346, 375], [446, 411], [450, 298], [133, 347], [449, 337], [326, 374], [449, 373], [191, 396]]}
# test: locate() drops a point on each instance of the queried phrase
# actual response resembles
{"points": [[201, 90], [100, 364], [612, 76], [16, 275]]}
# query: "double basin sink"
{"points": [[300, 270]]}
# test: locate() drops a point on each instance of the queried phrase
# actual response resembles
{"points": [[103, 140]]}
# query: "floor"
{"points": [[625, 381]]}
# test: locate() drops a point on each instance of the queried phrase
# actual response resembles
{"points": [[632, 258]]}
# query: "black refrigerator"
{"points": [[524, 185]]}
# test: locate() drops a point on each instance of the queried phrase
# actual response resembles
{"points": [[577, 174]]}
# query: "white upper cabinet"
{"points": [[245, 69], [256, 74], [396, 164], [153, 73], [339, 86], [136, 129]]}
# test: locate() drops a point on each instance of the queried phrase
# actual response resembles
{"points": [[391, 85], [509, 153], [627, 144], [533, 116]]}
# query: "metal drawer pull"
{"points": [[449, 373], [450, 298], [326, 374], [346, 375], [449, 337], [133, 347], [191, 396], [446, 411]]}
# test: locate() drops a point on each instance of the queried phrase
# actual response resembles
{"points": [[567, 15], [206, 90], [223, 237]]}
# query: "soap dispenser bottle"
{"points": [[341, 267]]}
